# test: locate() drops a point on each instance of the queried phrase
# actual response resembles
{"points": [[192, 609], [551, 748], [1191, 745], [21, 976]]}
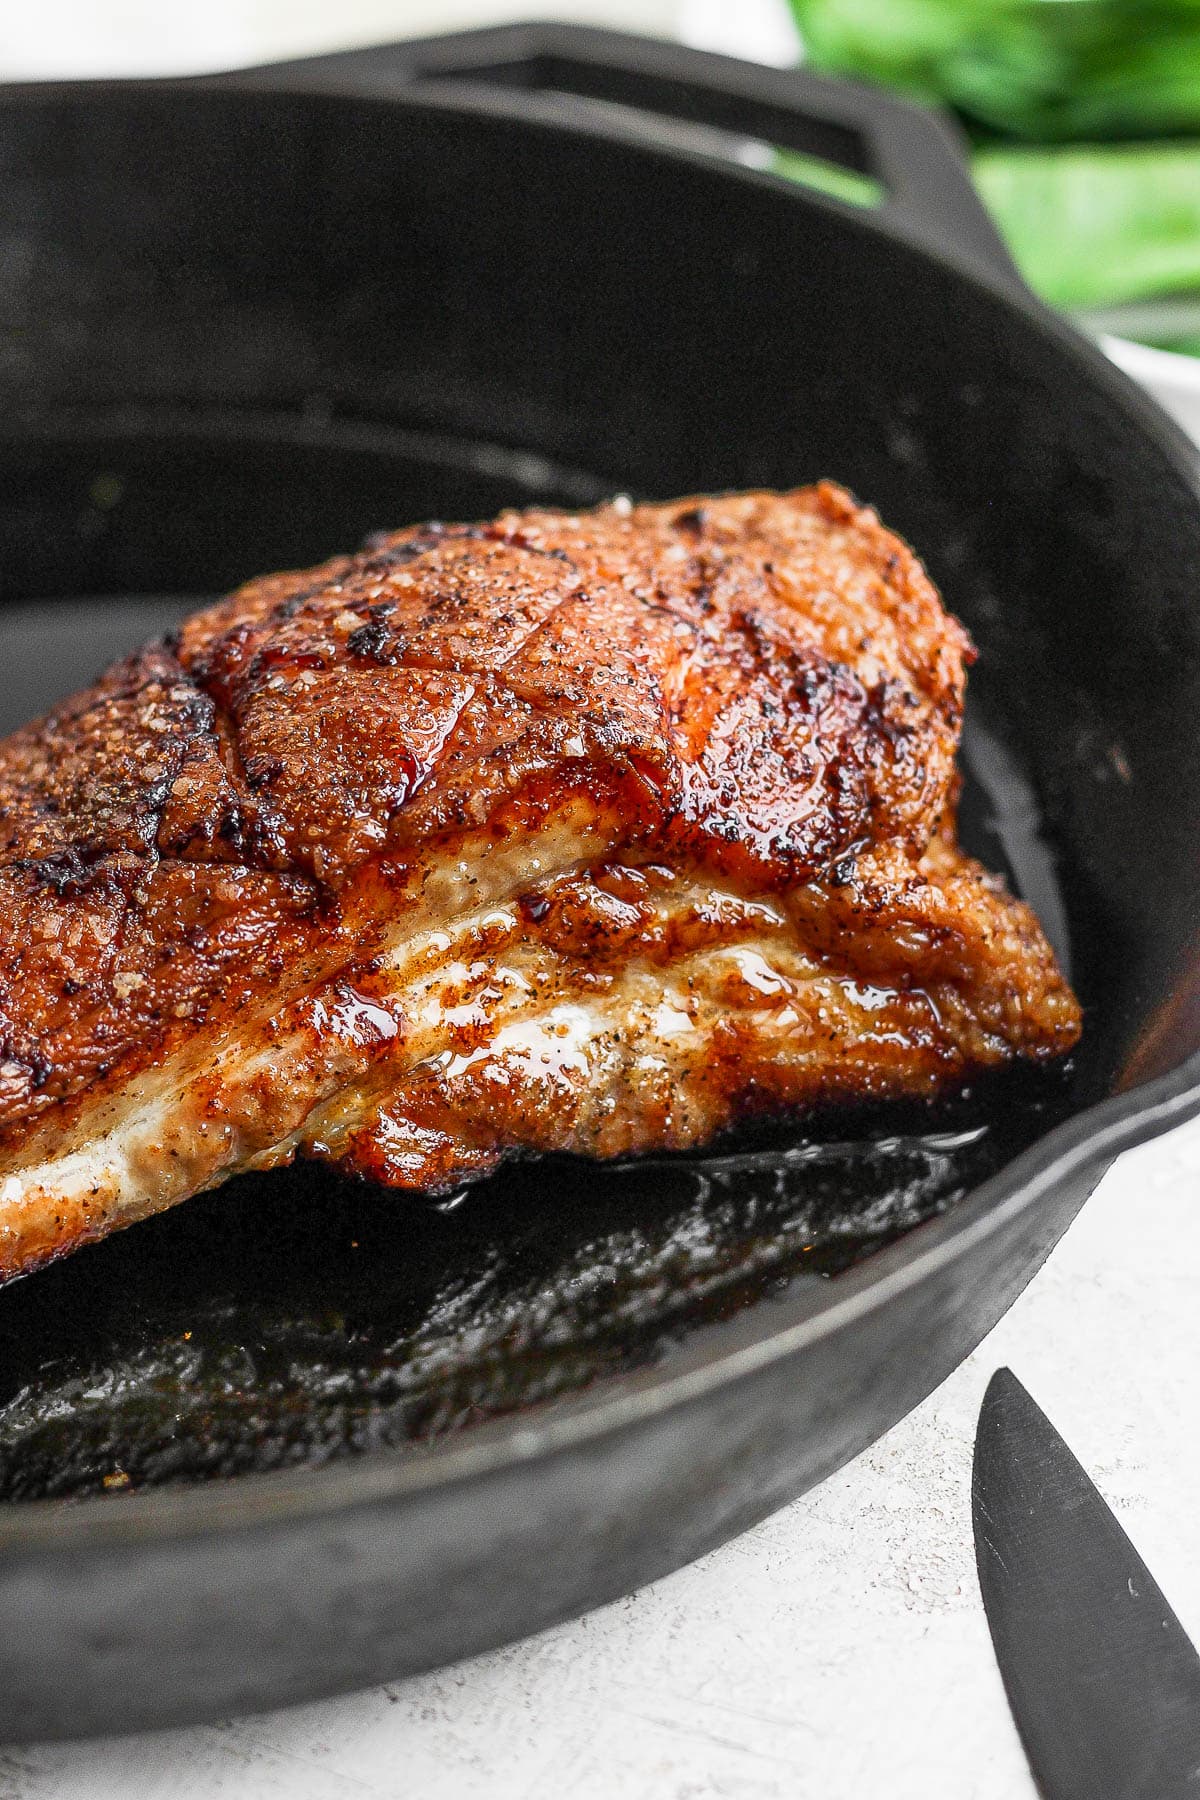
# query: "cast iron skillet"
{"points": [[242, 323]]}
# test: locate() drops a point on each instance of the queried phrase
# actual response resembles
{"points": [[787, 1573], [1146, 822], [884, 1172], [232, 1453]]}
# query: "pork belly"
{"points": [[590, 832]]}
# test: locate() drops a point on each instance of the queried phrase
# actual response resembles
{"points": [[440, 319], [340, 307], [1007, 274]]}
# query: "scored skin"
{"points": [[217, 862]]}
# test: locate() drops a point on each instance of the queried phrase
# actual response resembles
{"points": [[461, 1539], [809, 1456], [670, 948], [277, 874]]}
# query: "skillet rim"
{"points": [[723, 1353]]}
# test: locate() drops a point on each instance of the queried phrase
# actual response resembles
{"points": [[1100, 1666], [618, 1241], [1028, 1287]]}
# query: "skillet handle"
{"points": [[916, 155]]}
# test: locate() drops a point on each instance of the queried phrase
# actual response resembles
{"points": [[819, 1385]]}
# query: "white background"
{"points": [[839, 1651], [42, 38]]}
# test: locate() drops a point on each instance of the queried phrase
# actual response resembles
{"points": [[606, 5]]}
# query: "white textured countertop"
{"points": [[838, 1652]]}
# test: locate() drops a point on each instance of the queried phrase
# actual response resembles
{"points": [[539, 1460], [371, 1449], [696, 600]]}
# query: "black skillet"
{"points": [[244, 322]]}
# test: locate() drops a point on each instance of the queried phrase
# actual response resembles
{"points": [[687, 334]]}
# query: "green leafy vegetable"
{"points": [[1098, 225], [1108, 229], [1037, 69]]}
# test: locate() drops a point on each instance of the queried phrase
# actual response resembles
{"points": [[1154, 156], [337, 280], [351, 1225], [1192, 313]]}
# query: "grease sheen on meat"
{"points": [[589, 833]]}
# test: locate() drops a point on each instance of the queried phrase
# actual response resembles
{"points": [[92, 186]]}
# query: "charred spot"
{"points": [[156, 795], [261, 774], [198, 711], [890, 705], [810, 683], [845, 868], [382, 556], [693, 520], [534, 907], [371, 641], [516, 539], [763, 643], [67, 871], [381, 609], [231, 830], [71, 987]]}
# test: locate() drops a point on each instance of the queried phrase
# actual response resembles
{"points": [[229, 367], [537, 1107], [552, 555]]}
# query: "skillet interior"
{"points": [[403, 310], [295, 1318], [232, 376]]}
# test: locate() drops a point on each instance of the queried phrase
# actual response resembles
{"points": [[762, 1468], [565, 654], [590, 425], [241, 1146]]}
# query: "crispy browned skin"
{"points": [[582, 832]]}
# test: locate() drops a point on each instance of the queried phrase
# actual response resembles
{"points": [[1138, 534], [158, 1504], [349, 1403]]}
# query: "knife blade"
{"points": [[1102, 1680]]}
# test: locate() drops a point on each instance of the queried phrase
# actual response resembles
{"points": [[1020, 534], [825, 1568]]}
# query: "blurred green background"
{"points": [[1084, 117]]}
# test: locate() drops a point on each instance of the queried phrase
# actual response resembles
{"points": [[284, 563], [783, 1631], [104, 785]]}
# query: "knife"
{"points": [[1103, 1682]]}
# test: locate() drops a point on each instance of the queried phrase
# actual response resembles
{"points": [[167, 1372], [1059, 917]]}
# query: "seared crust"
{"points": [[764, 678], [759, 696]]}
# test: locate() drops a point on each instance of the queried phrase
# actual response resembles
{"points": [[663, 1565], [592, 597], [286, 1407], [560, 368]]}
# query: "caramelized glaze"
{"points": [[585, 832]]}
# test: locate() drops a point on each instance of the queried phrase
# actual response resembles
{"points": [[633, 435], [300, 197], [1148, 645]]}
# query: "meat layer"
{"points": [[563, 832]]}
